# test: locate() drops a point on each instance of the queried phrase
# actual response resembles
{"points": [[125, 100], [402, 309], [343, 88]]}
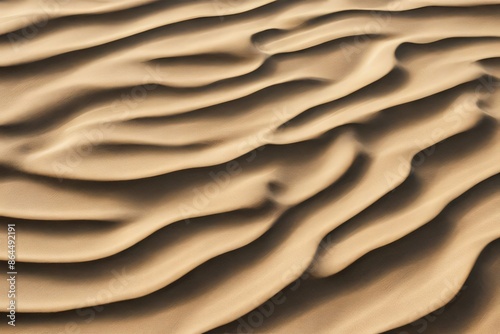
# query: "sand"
{"points": [[237, 166]]}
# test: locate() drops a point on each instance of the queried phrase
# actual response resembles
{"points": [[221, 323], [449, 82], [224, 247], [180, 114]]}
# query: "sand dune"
{"points": [[232, 166]]}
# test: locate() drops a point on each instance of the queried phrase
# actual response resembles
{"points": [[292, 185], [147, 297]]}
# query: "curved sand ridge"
{"points": [[262, 166]]}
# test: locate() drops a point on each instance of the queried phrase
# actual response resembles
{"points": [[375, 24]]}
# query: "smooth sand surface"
{"points": [[251, 166]]}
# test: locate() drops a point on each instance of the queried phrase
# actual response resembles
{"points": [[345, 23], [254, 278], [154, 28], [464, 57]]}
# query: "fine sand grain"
{"points": [[251, 166]]}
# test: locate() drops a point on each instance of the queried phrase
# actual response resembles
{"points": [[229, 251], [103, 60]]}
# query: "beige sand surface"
{"points": [[251, 166]]}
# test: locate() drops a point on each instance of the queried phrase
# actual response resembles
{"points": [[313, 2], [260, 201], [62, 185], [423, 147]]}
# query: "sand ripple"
{"points": [[286, 166]]}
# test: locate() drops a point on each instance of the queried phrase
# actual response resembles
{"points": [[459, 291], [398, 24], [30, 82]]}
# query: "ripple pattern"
{"points": [[264, 166]]}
